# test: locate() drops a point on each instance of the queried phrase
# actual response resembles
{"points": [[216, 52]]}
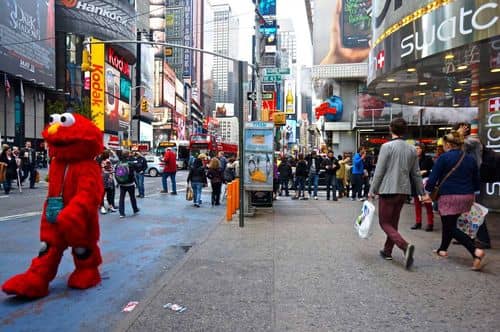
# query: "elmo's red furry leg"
{"points": [[87, 261], [34, 283]]}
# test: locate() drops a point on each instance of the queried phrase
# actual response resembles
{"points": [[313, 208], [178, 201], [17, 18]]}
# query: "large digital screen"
{"points": [[27, 40]]}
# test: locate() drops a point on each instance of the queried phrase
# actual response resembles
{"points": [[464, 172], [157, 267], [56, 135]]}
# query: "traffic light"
{"points": [[144, 105], [86, 60]]}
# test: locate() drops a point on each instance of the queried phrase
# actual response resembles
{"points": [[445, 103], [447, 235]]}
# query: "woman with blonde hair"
{"points": [[457, 176], [216, 177]]}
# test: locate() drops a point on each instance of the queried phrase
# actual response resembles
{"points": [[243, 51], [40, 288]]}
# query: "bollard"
{"points": [[229, 214], [233, 194]]}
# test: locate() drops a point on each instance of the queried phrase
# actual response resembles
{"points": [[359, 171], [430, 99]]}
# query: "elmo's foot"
{"points": [[28, 284], [83, 278]]}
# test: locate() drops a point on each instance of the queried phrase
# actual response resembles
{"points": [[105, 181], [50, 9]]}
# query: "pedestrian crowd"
{"points": [[16, 165]]}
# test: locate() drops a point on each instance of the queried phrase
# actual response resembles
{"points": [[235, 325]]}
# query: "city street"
{"points": [[136, 252]]}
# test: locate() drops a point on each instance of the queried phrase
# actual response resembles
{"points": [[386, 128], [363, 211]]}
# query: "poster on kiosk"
{"points": [[258, 157]]}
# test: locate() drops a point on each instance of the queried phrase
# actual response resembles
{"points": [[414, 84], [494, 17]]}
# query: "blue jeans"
{"points": [[284, 186], [164, 177], [331, 183], [300, 185], [314, 179], [197, 186], [7, 185], [357, 185], [139, 180]]}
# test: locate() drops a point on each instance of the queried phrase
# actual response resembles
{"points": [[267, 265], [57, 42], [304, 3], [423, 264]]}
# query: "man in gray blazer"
{"points": [[397, 161]]}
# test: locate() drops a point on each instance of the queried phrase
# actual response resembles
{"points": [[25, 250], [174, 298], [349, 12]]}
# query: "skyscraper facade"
{"points": [[225, 28]]}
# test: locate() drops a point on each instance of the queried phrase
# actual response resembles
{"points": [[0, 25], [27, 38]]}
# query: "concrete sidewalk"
{"points": [[302, 267]]}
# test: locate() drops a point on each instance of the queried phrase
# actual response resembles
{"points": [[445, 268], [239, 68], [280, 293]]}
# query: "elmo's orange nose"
{"points": [[53, 128]]}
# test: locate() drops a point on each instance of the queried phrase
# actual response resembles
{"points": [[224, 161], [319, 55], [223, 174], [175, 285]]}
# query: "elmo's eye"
{"points": [[67, 119], [54, 118]]}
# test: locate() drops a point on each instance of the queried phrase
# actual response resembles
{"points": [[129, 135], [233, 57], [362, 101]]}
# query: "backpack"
{"points": [[122, 173], [229, 174], [489, 171], [301, 169]]}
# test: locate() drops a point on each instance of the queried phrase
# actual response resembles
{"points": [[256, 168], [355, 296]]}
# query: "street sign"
{"points": [[276, 71], [251, 96], [271, 78]]}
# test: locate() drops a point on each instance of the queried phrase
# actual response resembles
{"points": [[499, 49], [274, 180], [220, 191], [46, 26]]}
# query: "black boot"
{"points": [[416, 226]]}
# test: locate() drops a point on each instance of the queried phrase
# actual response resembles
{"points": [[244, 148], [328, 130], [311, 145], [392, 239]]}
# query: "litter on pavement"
{"points": [[130, 306], [175, 307]]}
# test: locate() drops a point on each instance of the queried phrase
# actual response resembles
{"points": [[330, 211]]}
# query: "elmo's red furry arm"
{"points": [[78, 220]]}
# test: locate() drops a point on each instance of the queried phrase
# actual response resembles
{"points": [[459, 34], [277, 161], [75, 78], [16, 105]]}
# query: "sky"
{"points": [[244, 11]]}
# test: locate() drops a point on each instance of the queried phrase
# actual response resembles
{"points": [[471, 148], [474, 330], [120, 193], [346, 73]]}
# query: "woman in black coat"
{"points": [[10, 164]]}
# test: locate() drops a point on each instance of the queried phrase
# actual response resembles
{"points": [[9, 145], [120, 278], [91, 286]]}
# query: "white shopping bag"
{"points": [[469, 222], [364, 222]]}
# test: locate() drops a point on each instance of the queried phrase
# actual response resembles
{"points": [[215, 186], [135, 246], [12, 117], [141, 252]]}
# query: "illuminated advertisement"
{"points": [[104, 19], [27, 40], [258, 157], [147, 74], [289, 97], [346, 33], [267, 7], [401, 37], [291, 131], [97, 85], [188, 38], [117, 75]]}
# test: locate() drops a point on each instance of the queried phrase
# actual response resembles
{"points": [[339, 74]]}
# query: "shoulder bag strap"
{"points": [[64, 178], [453, 169]]}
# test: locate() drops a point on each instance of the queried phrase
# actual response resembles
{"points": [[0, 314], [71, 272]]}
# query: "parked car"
{"points": [[155, 165]]}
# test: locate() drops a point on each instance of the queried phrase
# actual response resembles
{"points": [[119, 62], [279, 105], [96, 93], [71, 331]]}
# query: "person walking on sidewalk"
{"points": [[284, 174], [10, 168], [29, 164], [457, 174], [107, 171], [301, 171], [357, 172], [198, 179], [214, 173], [124, 174], [342, 176], [331, 165], [169, 171], [391, 182], [474, 148], [140, 166], [425, 164], [314, 164]]}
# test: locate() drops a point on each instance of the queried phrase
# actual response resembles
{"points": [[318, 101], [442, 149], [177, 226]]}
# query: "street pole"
{"points": [[257, 73], [242, 74]]}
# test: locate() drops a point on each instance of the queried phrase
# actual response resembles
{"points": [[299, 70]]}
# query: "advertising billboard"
{"points": [[223, 110], [97, 84], [346, 33], [258, 156], [117, 75], [147, 75], [291, 131], [188, 38], [267, 7], [168, 85], [401, 37], [27, 40], [103, 19], [289, 97]]}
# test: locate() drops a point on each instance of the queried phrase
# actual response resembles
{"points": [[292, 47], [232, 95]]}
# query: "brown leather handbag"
{"points": [[435, 192]]}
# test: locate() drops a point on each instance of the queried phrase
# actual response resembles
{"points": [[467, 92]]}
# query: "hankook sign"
{"points": [[406, 31], [103, 19]]}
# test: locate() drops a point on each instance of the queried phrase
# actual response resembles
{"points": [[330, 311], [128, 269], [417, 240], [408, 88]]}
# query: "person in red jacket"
{"points": [[169, 170]]}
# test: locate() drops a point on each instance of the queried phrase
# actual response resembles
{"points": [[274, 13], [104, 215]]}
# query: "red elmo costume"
{"points": [[73, 142]]}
